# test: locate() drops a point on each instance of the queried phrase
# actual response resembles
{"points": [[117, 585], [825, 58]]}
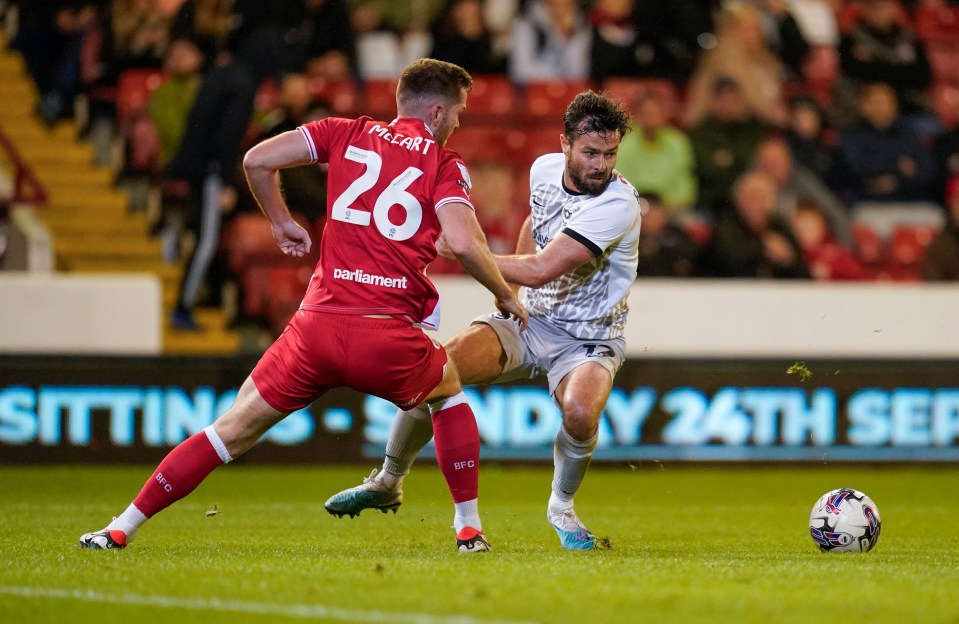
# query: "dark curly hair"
{"points": [[591, 112]]}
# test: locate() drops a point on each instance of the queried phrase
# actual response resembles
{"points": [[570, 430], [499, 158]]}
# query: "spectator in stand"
{"points": [[882, 159], [784, 35], [724, 142], [880, 49], [665, 250], [551, 41], [169, 107], [826, 258], [796, 185], [262, 35], [742, 55], [752, 241], [207, 162], [941, 261], [303, 187], [39, 40], [324, 42], [51, 40], [498, 15], [460, 36], [658, 158], [382, 48], [617, 48], [141, 34], [170, 102], [816, 20], [811, 144], [672, 35], [207, 22]]}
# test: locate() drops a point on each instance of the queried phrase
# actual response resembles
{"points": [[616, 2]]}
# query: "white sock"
{"points": [[571, 459], [558, 505], [129, 522], [466, 514], [411, 431]]}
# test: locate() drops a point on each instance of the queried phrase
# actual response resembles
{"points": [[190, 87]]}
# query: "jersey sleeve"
{"points": [[605, 223], [319, 136], [453, 182]]}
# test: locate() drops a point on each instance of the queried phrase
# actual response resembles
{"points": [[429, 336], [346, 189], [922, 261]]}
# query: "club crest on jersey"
{"points": [[569, 209], [466, 183]]}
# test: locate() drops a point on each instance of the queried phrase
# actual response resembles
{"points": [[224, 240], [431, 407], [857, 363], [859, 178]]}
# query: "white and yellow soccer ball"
{"points": [[845, 520]]}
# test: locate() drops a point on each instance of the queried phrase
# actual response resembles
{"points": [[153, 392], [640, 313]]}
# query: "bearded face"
{"points": [[590, 159]]}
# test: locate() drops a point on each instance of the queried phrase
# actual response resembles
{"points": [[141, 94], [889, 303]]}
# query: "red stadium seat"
{"points": [[253, 257], [851, 11], [943, 56], [379, 98], [868, 246], [247, 240], [549, 99], [267, 96], [908, 244], [542, 141], [630, 90], [343, 96], [945, 98], [139, 137], [271, 293], [494, 143], [134, 87], [936, 21], [475, 144], [700, 231], [285, 291], [820, 72], [491, 96]]}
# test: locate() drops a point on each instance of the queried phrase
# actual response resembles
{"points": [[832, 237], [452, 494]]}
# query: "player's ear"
{"points": [[564, 144]]}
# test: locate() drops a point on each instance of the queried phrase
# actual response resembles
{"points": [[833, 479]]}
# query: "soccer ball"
{"points": [[845, 520]]}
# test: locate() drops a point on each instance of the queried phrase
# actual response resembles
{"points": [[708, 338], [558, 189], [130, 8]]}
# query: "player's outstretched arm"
{"points": [[563, 254], [465, 240], [261, 165]]}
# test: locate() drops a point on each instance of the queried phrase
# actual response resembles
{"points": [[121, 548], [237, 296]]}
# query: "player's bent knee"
{"points": [[580, 421]]}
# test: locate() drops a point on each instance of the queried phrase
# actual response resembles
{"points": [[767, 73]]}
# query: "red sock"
{"points": [[184, 468], [457, 449]]}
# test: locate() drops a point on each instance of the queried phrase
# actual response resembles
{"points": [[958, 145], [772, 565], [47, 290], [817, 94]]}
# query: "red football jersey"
{"points": [[384, 186]]}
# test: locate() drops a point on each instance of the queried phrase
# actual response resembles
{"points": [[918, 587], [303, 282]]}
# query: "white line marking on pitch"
{"points": [[241, 606]]}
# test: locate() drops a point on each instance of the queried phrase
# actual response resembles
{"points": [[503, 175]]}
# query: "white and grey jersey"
{"points": [[590, 301]]}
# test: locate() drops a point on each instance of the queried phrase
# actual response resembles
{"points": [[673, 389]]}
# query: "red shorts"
{"points": [[318, 351]]}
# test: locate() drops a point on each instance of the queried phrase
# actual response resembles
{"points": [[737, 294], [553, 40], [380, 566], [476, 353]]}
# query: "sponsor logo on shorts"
{"points": [[361, 276], [412, 402], [598, 350]]}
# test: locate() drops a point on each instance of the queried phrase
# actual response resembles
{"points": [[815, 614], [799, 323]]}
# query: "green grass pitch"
{"points": [[688, 544]]}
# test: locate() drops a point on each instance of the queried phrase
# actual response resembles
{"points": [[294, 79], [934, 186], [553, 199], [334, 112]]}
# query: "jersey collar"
{"points": [[403, 121]]}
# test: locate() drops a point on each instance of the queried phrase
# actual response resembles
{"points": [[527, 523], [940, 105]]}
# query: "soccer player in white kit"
{"points": [[577, 255]]}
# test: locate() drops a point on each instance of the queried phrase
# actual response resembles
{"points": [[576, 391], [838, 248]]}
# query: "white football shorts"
{"points": [[546, 349]]}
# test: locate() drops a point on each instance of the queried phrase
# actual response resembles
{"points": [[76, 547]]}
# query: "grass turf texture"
{"points": [[692, 544]]}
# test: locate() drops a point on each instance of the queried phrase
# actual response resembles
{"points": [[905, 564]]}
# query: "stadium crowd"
{"points": [[809, 139]]}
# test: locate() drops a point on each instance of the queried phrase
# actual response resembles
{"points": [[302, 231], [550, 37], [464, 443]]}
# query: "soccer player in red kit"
{"points": [[393, 189]]}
